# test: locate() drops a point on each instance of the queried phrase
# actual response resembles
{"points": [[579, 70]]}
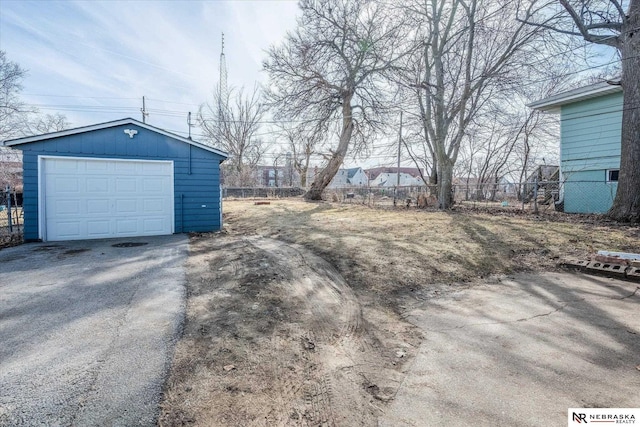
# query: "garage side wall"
{"points": [[196, 172]]}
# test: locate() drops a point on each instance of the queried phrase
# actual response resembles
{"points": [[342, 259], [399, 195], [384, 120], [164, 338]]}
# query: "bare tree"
{"points": [[614, 23], [303, 141], [330, 70], [470, 50], [232, 124], [37, 124], [13, 112], [18, 120]]}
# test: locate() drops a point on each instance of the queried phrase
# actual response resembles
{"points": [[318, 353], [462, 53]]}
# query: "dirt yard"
{"points": [[295, 311]]}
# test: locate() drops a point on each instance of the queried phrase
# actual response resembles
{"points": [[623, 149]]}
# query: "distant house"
{"points": [[388, 177], [590, 139], [10, 169], [353, 177], [277, 176], [472, 188], [356, 177], [340, 180]]}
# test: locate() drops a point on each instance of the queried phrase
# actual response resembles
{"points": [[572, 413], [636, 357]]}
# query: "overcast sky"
{"points": [[93, 61]]}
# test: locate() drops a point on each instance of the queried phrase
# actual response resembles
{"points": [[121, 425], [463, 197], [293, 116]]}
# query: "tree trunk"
{"points": [[525, 165], [303, 176], [433, 176], [445, 183], [305, 169], [626, 205], [326, 175]]}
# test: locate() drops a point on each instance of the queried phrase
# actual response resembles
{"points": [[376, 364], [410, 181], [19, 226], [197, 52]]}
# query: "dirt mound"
{"points": [[275, 336]]}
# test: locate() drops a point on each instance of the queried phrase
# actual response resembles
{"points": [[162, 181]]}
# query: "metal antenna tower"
{"points": [[223, 90]]}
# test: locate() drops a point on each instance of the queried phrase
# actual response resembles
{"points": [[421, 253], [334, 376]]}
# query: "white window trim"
{"points": [[608, 173]]}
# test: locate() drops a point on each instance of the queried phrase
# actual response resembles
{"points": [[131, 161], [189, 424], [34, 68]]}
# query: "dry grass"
{"points": [[391, 251]]}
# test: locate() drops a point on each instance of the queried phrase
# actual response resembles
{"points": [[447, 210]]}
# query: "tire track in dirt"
{"points": [[275, 336], [332, 314], [333, 306]]}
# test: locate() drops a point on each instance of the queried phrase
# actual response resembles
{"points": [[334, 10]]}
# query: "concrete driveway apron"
{"points": [[87, 330], [521, 351]]}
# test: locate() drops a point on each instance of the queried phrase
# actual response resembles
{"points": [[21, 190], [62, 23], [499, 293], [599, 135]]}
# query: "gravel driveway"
{"points": [[87, 330]]}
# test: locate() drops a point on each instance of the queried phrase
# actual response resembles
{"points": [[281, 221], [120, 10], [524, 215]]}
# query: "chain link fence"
{"points": [[585, 197], [260, 192], [528, 196], [11, 218]]}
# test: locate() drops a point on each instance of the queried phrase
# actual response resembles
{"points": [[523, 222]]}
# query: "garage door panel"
{"points": [[124, 185], [68, 229], [96, 167], [97, 185], [65, 184], [153, 225], [152, 169], [153, 206], [126, 167], [153, 185], [107, 198], [62, 165], [67, 207], [98, 206], [125, 206], [98, 228], [127, 226]]}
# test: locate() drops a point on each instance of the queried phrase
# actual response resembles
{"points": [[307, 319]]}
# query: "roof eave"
{"points": [[105, 125], [553, 103]]}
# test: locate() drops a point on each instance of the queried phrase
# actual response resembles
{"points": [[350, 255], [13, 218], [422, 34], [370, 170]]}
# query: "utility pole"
{"points": [[143, 110], [189, 125], [395, 193]]}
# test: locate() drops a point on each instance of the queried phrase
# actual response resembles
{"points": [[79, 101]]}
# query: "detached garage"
{"points": [[118, 179]]}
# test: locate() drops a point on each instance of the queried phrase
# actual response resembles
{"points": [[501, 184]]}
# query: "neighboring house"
{"points": [[590, 139], [340, 180], [353, 177], [467, 188], [272, 176], [357, 178], [388, 177], [508, 188], [118, 179], [10, 169], [474, 188], [277, 176]]}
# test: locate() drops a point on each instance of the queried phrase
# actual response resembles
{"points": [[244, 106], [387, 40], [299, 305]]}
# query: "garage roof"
{"points": [[127, 121]]}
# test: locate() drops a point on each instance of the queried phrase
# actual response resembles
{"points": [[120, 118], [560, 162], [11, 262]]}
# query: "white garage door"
{"points": [[94, 199]]}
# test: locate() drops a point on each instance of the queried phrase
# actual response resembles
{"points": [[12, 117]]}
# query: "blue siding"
{"points": [[196, 171], [589, 192], [590, 136]]}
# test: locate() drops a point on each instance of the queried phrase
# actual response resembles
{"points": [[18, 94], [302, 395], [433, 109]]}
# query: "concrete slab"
{"points": [[87, 330], [521, 351]]}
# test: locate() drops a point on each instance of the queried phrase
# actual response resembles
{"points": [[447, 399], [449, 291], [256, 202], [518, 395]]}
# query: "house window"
{"points": [[612, 175]]}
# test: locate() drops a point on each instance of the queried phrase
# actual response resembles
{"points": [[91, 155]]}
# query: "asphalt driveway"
{"points": [[521, 351], [87, 330]]}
